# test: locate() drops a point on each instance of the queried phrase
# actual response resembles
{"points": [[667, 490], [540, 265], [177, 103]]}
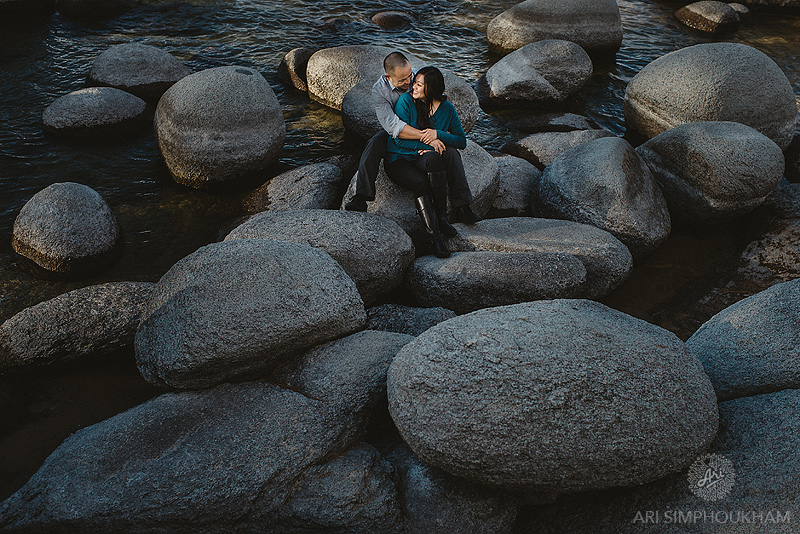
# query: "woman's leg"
{"points": [[460, 195], [434, 165]]}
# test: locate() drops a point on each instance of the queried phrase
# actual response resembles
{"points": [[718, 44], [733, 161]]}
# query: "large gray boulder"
{"points": [[405, 319], [435, 502], [518, 181], [595, 25], [542, 148], [713, 171], [712, 82], [757, 450], [219, 126], [96, 112], [562, 396], [709, 16], [397, 204], [66, 228], [540, 73], [242, 307], [605, 183], [607, 261], [292, 69], [87, 321], [314, 186], [753, 346], [358, 112], [142, 70], [468, 281], [373, 251]]}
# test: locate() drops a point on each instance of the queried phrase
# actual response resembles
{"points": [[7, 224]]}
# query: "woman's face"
{"points": [[418, 89]]}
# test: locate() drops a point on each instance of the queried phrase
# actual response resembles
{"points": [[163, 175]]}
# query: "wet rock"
{"points": [[397, 204], [392, 19], [292, 68], [775, 257], [541, 149], [594, 25], [546, 122], [142, 70], [405, 319], [468, 281], [605, 183], [225, 459], [753, 346], [358, 112], [563, 396], [219, 126], [709, 16], [436, 502], [94, 9], [741, 10], [713, 171], [240, 308], [13, 11], [97, 113], [518, 180], [67, 229], [758, 436], [314, 186], [88, 321], [712, 82], [375, 252], [607, 261], [540, 73]]}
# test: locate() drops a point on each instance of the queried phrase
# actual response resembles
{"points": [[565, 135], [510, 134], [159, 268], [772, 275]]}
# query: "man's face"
{"points": [[400, 77]]}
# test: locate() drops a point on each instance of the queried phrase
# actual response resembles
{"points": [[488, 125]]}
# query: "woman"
{"points": [[428, 170]]}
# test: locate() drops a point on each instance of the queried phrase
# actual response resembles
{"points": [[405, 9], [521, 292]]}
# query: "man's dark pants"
{"points": [[369, 164]]}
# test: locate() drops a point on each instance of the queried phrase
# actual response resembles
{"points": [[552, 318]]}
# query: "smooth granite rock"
{"points": [[66, 228], [541, 149], [467, 281], [709, 16], [518, 183], [595, 25], [313, 186], [712, 82], [405, 319], [240, 308], [391, 20], [607, 261], [292, 69], [88, 321], [711, 172], [373, 251], [142, 70], [540, 73], [219, 126], [96, 113], [562, 396]]}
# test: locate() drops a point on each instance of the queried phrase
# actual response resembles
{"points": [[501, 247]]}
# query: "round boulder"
{"points": [[518, 180], [66, 229], [219, 126], [397, 204], [543, 72], [607, 261], [292, 69], [753, 347], [595, 25], [713, 171], [712, 82], [314, 186], [96, 112], [468, 281], [563, 396], [374, 251], [605, 183], [142, 70], [242, 307], [542, 148], [709, 16], [392, 19]]}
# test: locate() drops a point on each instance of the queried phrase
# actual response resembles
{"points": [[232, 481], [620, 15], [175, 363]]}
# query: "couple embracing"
{"points": [[419, 147]]}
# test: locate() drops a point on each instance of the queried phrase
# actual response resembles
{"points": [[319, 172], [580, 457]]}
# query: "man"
{"points": [[385, 93]]}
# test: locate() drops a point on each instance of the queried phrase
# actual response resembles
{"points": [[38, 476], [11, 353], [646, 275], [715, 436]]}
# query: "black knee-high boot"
{"points": [[438, 181], [427, 214]]}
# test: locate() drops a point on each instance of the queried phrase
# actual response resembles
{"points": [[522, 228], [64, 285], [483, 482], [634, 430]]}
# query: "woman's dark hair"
{"points": [[434, 90]]}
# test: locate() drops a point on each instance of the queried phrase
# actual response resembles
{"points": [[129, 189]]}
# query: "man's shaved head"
{"points": [[394, 61]]}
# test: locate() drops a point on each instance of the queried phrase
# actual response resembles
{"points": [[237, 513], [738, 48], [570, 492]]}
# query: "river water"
{"points": [[163, 222]]}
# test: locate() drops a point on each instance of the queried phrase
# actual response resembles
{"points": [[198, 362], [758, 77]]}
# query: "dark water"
{"points": [[164, 222]]}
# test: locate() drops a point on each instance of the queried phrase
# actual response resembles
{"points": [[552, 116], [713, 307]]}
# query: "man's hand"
{"points": [[428, 135], [438, 146]]}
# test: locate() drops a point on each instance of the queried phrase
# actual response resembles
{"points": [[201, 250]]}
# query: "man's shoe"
{"points": [[357, 203], [465, 215]]}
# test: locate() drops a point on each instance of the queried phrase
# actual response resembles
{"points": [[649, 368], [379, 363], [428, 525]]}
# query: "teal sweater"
{"points": [[444, 121]]}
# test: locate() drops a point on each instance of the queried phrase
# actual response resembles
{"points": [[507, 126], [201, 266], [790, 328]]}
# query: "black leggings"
{"points": [[413, 175]]}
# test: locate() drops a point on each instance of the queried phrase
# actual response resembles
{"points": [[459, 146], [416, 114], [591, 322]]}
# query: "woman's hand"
{"points": [[428, 135]]}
